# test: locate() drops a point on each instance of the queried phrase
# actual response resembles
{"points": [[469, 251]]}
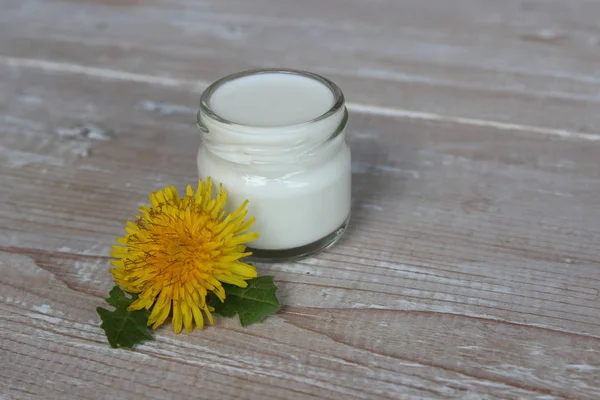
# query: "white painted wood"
{"points": [[534, 63], [471, 268]]}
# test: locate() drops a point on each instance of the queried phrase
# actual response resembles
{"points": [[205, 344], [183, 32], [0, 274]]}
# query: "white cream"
{"points": [[271, 100], [266, 139]]}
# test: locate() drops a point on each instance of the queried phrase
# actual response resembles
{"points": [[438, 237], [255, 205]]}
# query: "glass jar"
{"points": [[277, 138]]}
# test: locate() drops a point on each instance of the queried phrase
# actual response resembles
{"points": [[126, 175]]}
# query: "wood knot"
{"points": [[85, 132]]}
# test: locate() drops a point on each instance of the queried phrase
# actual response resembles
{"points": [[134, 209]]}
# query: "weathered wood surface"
{"points": [[472, 265], [528, 62]]}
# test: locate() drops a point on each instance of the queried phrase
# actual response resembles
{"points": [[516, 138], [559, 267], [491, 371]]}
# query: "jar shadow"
{"points": [[374, 175], [366, 182]]}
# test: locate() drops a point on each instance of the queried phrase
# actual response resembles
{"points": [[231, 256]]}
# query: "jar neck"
{"points": [[264, 145]]}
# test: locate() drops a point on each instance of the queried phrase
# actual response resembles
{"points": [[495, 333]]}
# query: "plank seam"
{"points": [[370, 109]]}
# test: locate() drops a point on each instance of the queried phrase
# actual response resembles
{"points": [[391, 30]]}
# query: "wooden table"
{"points": [[471, 269]]}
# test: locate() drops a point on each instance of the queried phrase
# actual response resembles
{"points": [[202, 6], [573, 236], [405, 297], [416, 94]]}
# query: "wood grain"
{"points": [[529, 62], [471, 266]]}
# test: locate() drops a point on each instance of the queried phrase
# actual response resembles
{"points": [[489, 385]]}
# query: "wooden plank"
{"points": [[470, 267], [532, 63]]}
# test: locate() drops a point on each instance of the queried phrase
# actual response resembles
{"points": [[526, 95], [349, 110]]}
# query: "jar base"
{"points": [[274, 256]]}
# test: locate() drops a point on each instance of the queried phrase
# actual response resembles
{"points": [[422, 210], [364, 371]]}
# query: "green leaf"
{"points": [[124, 328], [252, 304]]}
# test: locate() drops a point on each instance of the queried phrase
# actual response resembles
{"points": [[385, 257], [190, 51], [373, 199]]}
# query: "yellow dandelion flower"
{"points": [[180, 249]]}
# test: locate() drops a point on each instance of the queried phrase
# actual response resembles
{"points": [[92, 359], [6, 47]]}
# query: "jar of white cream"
{"points": [[277, 139]]}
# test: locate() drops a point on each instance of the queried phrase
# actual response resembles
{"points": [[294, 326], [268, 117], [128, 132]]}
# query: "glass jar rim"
{"points": [[338, 96]]}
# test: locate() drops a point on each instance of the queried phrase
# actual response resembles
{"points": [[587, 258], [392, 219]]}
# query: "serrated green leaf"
{"points": [[123, 328], [118, 299], [252, 304]]}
